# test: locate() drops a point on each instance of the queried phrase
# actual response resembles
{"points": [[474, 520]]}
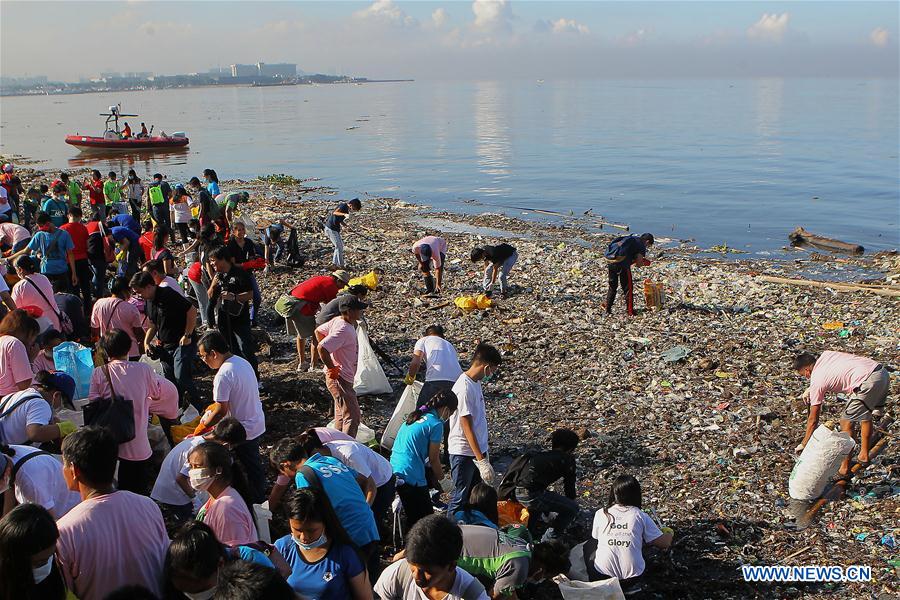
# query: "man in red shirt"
{"points": [[79, 234], [95, 190], [312, 293]]}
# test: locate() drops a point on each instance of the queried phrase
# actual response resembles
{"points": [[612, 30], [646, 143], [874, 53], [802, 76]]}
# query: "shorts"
{"points": [[301, 325], [870, 395]]}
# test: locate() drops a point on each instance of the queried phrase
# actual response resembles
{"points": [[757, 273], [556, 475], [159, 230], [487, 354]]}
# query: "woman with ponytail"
{"points": [[418, 442], [229, 511]]}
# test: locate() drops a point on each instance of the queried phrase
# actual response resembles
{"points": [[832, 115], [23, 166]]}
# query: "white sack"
{"points": [[819, 461], [370, 377], [405, 405]]}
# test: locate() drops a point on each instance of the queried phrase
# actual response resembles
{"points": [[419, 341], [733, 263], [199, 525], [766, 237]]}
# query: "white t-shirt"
{"points": [[362, 459], [471, 403], [166, 489], [35, 411], [41, 481], [4, 201], [619, 544], [235, 384], [394, 584], [441, 360], [170, 282]]}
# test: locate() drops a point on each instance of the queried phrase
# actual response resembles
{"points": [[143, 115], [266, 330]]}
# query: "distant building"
{"points": [[277, 70], [110, 75], [244, 70], [138, 75]]}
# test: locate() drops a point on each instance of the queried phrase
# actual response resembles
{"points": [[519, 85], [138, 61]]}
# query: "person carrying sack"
{"points": [[621, 254]]}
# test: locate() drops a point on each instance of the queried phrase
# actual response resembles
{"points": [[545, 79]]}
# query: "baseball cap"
{"points": [[350, 302], [7, 168], [60, 382], [342, 276]]}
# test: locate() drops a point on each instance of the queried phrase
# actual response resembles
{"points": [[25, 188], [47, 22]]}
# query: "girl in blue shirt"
{"points": [[324, 564], [419, 441], [212, 182]]}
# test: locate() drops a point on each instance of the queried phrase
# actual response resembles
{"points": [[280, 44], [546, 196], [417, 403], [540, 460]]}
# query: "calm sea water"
{"points": [[741, 162]]}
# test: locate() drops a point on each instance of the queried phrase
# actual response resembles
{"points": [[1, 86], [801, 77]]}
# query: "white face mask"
{"points": [[205, 595], [41, 573], [201, 480]]}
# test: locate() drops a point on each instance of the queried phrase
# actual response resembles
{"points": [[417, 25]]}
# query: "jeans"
{"points": [[98, 281], [178, 367], [548, 502], [257, 298], [505, 268], [346, 407], [202, 300], [416, 503], [383, 499], [135, 205], [161, 214], [620, 273], [465, 475], [335, 236], [239, 334], [248, 455], [83, 272]]}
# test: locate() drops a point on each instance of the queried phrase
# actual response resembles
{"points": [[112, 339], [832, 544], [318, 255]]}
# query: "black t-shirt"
{"points": [[168, 312], [235, 281], [499, 253], [334, 221], [74, 309], [242, 255], [544, 468]]}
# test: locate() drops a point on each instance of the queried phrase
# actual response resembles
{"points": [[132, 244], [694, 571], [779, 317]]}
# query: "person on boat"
{"points": [[126, 132], [143, 133]]}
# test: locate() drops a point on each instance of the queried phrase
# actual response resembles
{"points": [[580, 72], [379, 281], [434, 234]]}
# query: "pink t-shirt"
{"points": [[115, 313], [168, 393], [25, 294], [136, 382], [42, 363], [340, 342], [112, 541], [14, 364], [230, 519], [10, 233], [838, 372], [438, 247]]}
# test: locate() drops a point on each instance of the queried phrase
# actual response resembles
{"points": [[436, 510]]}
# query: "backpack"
{"points": [[288, 306], [507, 488], [618, 248]]}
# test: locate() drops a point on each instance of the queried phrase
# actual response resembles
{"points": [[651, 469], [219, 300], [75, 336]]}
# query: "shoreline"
{"points": [[708, 436]]}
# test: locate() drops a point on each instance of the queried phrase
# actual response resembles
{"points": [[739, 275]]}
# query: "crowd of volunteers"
{"points": [[160, 279]]}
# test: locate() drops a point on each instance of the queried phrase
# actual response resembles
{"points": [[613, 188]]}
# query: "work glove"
{"points": [[66, 427], [409, 379], [805, 395], [485, 470], [667, 530], [334, 372]]}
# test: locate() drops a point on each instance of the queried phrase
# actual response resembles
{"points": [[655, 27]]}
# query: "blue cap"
{"points": [[62, 383]]}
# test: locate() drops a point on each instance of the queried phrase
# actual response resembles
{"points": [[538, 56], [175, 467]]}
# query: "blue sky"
{"points": [[448, 40]]}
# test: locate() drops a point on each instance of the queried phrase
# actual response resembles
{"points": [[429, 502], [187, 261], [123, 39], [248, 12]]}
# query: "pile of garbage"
{"points": [[696, 399]]}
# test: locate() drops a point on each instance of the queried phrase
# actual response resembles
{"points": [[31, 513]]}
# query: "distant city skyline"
{"points": [[484, 39]]}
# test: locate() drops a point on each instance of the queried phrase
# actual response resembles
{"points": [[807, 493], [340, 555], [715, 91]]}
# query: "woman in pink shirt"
{"points": [[35, 289], [228, 512], [135, 382], [18, 332], [116, 312]]}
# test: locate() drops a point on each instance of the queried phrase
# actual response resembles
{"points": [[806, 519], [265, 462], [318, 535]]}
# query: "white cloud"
{"points": [[151, 28], [562, 26], [386, 11], [880, 37], [770, 27], [492, 15], [439, 17]]}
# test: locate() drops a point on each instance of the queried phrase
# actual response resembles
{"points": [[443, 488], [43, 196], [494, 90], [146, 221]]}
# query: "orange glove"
{"points": [[334, 372]]}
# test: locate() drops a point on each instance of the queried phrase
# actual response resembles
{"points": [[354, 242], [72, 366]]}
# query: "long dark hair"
{"points": [[441, 399], [24, 531], [308, 503], [625, 491], [195, 551], [219, 457], [160, 237], [483, 498], [211, 175]]}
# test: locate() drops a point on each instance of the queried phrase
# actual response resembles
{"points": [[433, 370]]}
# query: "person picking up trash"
{"points": [[333, 225], [431, 249], [339, 351], [299, 311], [468, 440], [621, 254], [499, 261], [865, 381]]}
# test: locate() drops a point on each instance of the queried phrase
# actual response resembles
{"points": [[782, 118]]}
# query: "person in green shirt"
{"points": [[73, 187], [112, 190]]}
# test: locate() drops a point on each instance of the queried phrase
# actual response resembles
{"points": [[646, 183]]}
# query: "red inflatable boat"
{"points": [[114, 138]]}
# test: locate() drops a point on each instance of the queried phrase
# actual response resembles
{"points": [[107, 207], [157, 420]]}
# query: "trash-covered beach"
{"points": [[697, 399]]}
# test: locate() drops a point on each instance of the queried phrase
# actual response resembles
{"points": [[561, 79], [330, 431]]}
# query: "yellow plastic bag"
{"points": [[832, 325], [510, 512], [483, 302], [179, 432], [466, 303], [370, 280]]}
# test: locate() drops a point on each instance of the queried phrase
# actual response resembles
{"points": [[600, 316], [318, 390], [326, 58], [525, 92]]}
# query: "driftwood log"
{"points": [[800, 237], [888, 291]]}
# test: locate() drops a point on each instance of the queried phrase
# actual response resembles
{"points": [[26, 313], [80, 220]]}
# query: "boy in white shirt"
{"points": [[468, 440]]}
